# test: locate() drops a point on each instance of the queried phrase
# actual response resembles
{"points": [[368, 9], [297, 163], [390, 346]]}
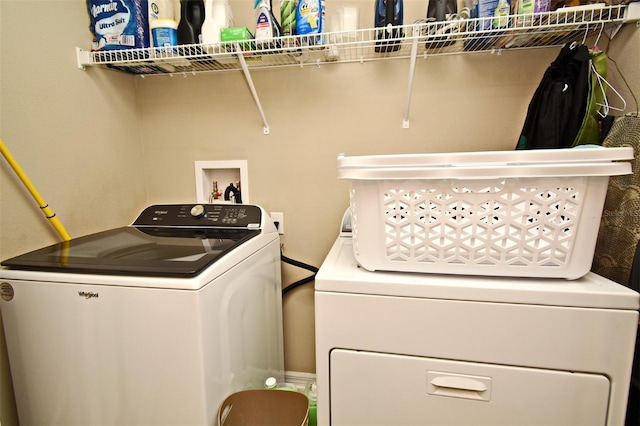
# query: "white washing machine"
{"points": [[427, 349], [148, 324]]}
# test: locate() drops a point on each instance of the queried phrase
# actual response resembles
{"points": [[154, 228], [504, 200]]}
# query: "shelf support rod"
{"points": [[412, 70], [256, 99]]}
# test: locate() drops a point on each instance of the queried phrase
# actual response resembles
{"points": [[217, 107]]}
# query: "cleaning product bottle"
{"points": [[526, 10], [501, 14], [310, 21], [217, 15], [268, 31], [161, 22], [160, 9], [312, 393], [288, 21], [485, 38], [191, 20], [389, 14], [272, 383]]}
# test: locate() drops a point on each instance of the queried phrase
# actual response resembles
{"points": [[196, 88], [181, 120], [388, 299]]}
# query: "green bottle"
{"points": [[288, 21], [501, 14]]}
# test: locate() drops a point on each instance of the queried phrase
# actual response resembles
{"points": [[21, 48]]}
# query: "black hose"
{"points": [[303, 281], [299, 264]]}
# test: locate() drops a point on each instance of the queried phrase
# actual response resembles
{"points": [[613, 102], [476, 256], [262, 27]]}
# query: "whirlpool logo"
{"points": [[88, 294]]}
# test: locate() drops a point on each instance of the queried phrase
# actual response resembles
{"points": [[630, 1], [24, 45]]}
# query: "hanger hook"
{"points": [[586, 32], [599, 34]]}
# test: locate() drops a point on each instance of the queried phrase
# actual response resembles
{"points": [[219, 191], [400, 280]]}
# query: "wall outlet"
{"points": [[278, 220]]}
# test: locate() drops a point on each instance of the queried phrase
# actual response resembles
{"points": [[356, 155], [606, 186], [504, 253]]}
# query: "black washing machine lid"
{"points": [[142, 249]]}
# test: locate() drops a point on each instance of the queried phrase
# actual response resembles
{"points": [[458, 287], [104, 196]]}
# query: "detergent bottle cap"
{"points": [[270, 383]]}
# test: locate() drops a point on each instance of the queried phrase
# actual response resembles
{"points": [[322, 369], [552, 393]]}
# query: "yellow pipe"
{"points": [[34, 192]]}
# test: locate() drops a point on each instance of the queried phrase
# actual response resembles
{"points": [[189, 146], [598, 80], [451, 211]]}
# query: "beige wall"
{"points": [[314, 114], [76, 134], [100, 145]]}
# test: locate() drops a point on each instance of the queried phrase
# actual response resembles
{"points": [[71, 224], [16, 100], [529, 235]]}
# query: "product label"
{"points": [[263, 27], [6, 292], [526, 6], [119, 23], [310, 20], [530, 8], [111, 18], [542, 6], [164, 37], [155, 11], [502, 12], [485, 9], [288, 17]]}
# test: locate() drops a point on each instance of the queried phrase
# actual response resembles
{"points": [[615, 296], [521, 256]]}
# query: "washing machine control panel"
{"points": [[201, 215]]}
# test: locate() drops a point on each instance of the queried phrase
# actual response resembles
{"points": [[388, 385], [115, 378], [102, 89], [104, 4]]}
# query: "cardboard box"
{"points": [[261, 407], [238, 34]]}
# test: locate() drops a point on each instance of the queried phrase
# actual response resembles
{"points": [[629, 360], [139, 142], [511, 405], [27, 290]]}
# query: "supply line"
{"points": [[299, 264], [49, 214]]}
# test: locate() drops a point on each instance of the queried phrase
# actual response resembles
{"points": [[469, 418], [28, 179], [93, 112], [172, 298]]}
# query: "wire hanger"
{"points": [[586, 33], [603, 84], [595, 44], [575, 44]]}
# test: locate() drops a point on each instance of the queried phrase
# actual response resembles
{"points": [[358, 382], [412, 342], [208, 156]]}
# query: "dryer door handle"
{"points": [[459, 386]]}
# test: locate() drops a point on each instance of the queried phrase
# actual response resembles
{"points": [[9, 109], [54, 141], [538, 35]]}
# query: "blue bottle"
{"points": [[310, 21]]}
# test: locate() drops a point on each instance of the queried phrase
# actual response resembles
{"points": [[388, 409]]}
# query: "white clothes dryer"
{"points": [[427, 349]]}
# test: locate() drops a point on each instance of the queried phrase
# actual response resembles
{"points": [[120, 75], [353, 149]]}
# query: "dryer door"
{"points": [[382, 389]]}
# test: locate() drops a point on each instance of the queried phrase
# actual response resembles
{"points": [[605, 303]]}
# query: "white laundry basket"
{"points": [[502, 213]]}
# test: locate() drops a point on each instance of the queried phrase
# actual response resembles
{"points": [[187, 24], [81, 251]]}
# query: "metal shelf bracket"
{"points": [[247, 76], [412, 70], [83, 58]]}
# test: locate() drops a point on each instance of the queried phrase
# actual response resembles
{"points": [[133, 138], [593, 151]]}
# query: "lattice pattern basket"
{"points": [[501, 213]]}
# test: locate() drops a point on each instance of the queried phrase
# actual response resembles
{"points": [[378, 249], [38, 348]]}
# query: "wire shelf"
{"points": [[456, 36]]}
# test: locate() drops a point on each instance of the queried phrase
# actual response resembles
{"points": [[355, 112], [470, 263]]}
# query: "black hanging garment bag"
{"points": [[558, 106]]}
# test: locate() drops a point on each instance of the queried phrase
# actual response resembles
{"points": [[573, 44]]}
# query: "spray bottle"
{"points": [[268, 31]]}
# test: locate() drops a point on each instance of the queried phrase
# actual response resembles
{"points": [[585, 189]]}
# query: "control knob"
{"points": [[197, 210]]}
